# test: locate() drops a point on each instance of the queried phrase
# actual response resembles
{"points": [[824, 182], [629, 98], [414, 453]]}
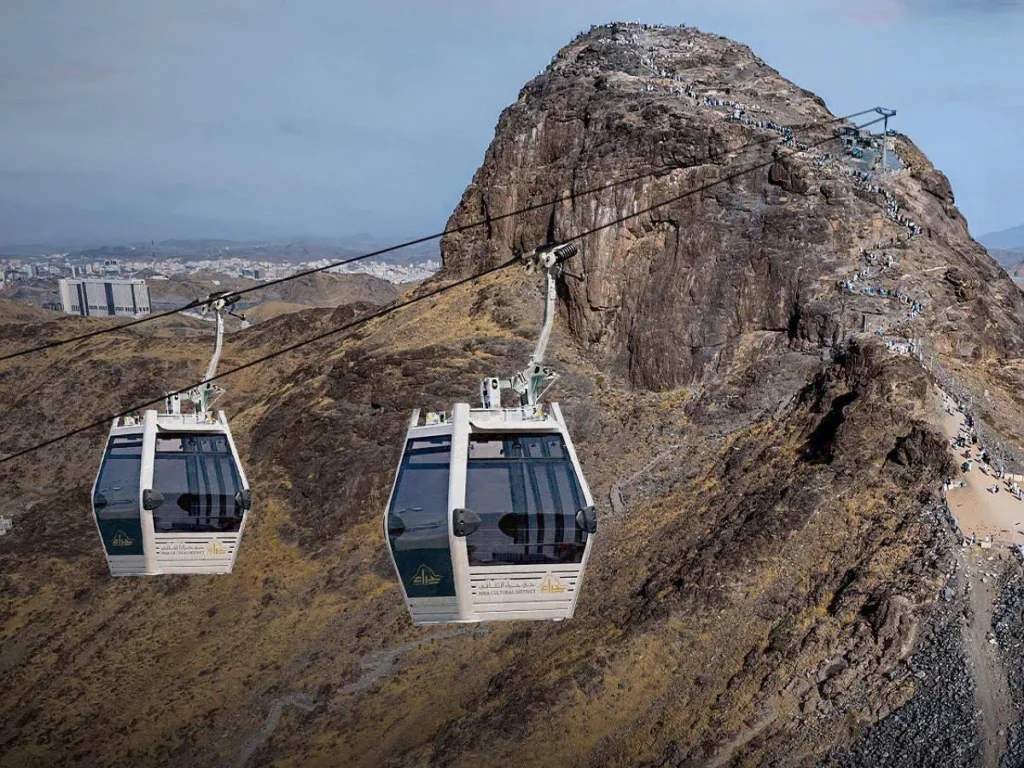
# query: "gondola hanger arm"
{"points": [[203, 396], [536, 378]]}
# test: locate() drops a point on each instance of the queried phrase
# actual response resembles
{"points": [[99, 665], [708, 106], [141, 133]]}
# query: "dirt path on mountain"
{"points": [[373, 667], [992, 693], [984, 514], [741, 739], [978, 511], [277, 707]]}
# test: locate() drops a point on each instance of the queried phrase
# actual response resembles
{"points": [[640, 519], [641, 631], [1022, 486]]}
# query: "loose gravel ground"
{"points": [[937, 727], [1008, 628]]}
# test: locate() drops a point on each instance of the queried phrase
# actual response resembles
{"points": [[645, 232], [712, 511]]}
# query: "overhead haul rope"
{"points": [[426, 238], [298, 345], [704, 187], [401, 305]]}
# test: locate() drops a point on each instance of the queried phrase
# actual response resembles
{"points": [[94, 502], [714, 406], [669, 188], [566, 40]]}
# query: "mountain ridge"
{"points": [[1008, 239]]}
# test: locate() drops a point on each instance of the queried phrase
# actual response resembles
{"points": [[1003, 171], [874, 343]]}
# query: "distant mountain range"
{"points": [[1007, 248], [1013, 262], [1007, 239], [1007, 257]]}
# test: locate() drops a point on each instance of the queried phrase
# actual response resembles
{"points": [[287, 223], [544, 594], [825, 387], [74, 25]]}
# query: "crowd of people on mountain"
{"points": [[739, 115], [758, 117], [892, 210], [974, 450], [866, 182], [884, 261], [900, 346], [744, 114], [854, 284], [877, 265], [680, 87], [824, 160]]}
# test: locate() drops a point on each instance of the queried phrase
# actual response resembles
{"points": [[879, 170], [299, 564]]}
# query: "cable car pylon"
{"points": [[171, 495], [490, 516]]}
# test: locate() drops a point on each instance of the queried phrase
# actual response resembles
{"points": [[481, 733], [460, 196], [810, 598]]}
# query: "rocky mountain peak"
{"points": [[777, 578], [812, 250]]}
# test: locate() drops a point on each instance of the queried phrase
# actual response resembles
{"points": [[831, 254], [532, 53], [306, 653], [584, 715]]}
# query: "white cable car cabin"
{"points": [[490, 516], [171, 495]]}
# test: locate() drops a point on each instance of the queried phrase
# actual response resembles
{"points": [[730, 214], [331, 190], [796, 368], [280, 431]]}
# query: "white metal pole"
{"points": [[149, 425], [457, 499], [550, 296], [211, 369], [885, 144]]}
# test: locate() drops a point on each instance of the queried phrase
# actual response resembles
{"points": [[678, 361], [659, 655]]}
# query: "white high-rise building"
{"points": [[104, 298]]}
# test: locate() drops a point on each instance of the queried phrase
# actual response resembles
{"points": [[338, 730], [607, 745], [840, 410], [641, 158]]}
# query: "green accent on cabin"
{"points": [[426, 572], [121, 536]]}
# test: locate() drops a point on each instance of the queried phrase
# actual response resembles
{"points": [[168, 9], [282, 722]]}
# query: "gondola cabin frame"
{"points": [[132, 543], [439, 580]]}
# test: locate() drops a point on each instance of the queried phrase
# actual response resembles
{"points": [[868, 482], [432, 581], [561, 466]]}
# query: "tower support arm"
{"points": [[202, 396], [550, 296]]}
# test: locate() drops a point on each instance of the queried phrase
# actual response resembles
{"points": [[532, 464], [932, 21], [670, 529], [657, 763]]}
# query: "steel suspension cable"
{"points": [[291, 348], [427, 238], [401, 305]]}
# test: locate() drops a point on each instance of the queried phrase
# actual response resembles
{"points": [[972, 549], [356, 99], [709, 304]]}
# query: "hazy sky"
{"points": [[130, 119]]}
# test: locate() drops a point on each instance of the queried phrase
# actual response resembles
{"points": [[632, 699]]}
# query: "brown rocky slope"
{"points": [[773, 574]]}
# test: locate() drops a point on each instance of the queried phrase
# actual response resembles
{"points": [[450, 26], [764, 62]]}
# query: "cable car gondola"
{"points": [[171, 495], [490, 516]]}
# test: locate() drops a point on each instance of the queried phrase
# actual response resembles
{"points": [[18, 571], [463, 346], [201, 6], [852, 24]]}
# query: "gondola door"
{"points": [[417, 526], [115, 500]]}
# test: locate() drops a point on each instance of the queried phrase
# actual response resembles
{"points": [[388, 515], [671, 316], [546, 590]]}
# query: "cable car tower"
{"points": [[490, 516], [171, 495], [886, 114]]}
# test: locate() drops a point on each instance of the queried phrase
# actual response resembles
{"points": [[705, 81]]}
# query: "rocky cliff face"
{"points": [[775, 580], [671, 294]]}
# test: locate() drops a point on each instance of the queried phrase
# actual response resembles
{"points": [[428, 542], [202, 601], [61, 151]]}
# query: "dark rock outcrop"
{"points": [[672, 293]]}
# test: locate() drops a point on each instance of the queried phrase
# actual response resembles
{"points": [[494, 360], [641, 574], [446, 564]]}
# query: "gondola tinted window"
{"points": [[525, 490], [116, 498], [117, 489], [198, 479], [418, 518]]}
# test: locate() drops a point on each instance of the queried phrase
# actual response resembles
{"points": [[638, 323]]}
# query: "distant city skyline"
{"points": [[207, 119]]}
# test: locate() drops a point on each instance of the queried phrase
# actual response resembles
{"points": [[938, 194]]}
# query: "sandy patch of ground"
{"points": [[977, 510]]}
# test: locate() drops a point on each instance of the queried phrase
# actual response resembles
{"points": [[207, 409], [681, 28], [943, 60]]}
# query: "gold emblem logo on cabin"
{"points": [[425, 578], [216, 548], [121, 539], [552, 585]]}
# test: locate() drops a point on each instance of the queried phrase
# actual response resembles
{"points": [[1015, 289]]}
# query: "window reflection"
{"points": [[525, 490], [117, 488], [420, 499], [198, 479], [418, 518]]}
